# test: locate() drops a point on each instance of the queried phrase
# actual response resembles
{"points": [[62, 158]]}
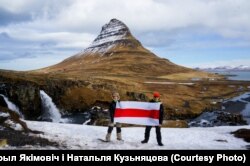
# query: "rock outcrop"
{"points": [[15, 117], [242, 133], [24, 94], [217, 118]]}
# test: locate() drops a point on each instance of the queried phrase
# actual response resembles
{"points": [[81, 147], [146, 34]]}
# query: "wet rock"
{"points": [[76, 118], [2, 102], [15, 117], [217, 118], [3, 119], [137, 96], [247, 99], [44, 119], [97, 114], [26, 96], [18, 138], [221, 140], [242, 133]]}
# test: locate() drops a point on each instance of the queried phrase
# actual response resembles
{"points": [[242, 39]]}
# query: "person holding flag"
{"points": [[157, 128], [112, 107]]}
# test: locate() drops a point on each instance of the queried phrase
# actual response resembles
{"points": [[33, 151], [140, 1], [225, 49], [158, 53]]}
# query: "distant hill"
{"points": [[226, 68]]}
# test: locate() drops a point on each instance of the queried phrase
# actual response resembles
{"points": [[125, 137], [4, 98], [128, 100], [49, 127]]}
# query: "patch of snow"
{"points": [[83, 137], [239, 98], [14, 125], [3, 114]]}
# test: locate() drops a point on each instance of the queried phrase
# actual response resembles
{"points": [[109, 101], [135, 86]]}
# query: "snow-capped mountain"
{"points": [[115, 51], [113, 33], [226, 68]]}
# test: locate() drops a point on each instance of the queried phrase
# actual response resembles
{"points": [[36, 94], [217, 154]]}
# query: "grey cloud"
{"points": [[13, 49], [166, 38], [7, 17], [6, 56], [4, 36], [47, 44], [157, 39]]}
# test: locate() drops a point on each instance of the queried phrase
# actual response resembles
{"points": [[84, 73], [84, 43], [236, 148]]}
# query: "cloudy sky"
{"points": [[193, 33]]}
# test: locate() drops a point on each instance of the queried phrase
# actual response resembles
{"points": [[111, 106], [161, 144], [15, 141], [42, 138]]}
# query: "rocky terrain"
{"points": [[17, 138]]}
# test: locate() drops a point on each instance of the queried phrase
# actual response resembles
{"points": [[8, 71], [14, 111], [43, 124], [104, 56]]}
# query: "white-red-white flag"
{"points": [[140, 113]]}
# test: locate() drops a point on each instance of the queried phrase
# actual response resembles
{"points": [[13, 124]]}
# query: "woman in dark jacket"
{"points": [[112, 107]]}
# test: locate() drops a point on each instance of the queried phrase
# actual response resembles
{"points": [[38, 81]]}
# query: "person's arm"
{"points": [[161, 114], [112, 111]]}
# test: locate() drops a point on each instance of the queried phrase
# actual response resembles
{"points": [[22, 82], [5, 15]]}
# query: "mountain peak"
{"points": [[114, 23], [112, 34]]}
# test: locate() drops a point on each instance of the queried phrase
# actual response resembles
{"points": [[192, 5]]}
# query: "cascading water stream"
{"points": [[12, 106], [49, 109]]}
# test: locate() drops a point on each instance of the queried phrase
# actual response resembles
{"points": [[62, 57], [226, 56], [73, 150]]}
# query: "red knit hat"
{"points": [[156, 94]]}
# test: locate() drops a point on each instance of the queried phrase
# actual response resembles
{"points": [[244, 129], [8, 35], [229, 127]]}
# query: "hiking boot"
{"points": [[144, 141], [160, 144], [119, 136], [108, 137]]}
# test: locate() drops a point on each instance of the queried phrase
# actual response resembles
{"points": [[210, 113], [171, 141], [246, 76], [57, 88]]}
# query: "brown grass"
{"points": [[187, 76], [175, 124]]}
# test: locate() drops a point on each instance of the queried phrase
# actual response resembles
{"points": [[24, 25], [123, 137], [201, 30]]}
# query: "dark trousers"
{"points": [[158, 133], [111, 126]]}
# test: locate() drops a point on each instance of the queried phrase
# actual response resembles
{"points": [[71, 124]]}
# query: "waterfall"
{"points": [[50, 111], [12, 106]]}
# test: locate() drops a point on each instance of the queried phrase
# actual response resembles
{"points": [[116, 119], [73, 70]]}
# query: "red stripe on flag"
{"points": [[131, 112]]}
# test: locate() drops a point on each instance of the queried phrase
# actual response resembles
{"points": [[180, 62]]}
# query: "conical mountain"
{"points": [[115, 51], [113, 34]]}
